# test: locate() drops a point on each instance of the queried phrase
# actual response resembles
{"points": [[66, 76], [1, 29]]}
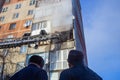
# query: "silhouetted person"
{"points": [[77, 70], [33, 71]]}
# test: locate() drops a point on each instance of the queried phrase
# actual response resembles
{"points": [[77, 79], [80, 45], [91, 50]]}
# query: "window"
{"points": [[2, 18], [43, 55], [58, 59], [18, 6], [30, 12], [0, 68], [28, 23], [43, 24], [12, 26], [9, 37], [23, 49], [65, 53], [15, 15], [32, 2], [4, 9], [54, 76], [35, 26], [7, 1], [55, 59], [40, 25]]}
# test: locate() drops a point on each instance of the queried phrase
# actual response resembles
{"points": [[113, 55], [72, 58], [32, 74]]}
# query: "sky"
{"points": [[101, 21]]}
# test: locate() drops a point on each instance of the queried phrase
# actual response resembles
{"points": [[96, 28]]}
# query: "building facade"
{"points": [[45, 18]]}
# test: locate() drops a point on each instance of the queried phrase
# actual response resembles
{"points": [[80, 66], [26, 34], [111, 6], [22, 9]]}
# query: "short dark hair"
{"points": [[75, 57], [37, 59]]}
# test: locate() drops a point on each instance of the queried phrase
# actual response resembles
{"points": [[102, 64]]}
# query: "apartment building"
{"points": [[14, 16], [44, 18]]}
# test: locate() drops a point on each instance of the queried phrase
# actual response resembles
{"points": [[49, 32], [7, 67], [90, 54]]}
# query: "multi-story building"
{"points": [[13, 16], [40, 18]]}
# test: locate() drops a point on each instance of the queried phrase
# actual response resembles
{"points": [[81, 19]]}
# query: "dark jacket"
{"points": [[31, 72], [79, 72]]}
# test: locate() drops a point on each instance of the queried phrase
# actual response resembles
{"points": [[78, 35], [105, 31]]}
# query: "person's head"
{"points": [[38, 60], [75, 57]]}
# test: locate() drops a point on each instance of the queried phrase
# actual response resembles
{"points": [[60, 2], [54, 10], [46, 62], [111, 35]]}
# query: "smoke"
{"points": [[59, 13]]}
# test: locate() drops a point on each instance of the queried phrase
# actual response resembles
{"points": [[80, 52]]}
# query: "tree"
{"points": [[3, 57]]}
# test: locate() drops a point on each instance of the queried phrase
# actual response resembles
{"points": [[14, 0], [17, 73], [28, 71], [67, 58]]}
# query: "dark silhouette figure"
{"points": [[33, 71], [77, 70]]}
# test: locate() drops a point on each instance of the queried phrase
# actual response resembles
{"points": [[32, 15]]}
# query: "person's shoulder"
{"points": [[41, 71], [42, 74], [66, 71], [93, 74]]}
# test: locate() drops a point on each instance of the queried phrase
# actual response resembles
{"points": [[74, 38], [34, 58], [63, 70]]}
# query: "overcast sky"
{"points": [[101, 20]]}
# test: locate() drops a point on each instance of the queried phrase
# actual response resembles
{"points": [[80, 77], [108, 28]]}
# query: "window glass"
{"points": [[4, 9], [23, 49], [28, 23], [43, 55], [12, 26], [0, 68], [15, 15], [58, 59], [9, 37], [54, 76], [44, 24], [18, 6], [7, 1], [35, 26], [2, 18], [55, 60], [58, 55], [30, 12], [32, 2], [65, 64], [65, 54], [39, 25]]}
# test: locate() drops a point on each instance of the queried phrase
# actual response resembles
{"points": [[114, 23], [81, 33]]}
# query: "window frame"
{"points": [[0, 27], [32, 2], [18, 6], [23, 49], [12, 26], [4, 9], [2, 18], [39, 25], [15, 15], [30, 12], [57, 59], [7, 1], [28, 23]]}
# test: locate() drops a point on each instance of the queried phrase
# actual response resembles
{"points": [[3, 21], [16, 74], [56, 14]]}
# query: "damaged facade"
{"points": [[20, 19]]}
